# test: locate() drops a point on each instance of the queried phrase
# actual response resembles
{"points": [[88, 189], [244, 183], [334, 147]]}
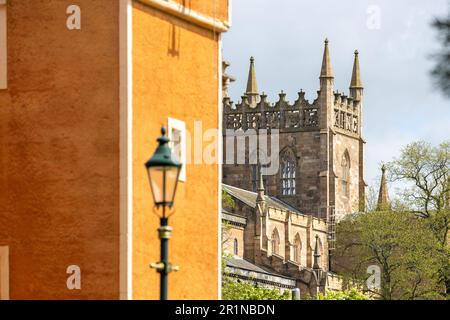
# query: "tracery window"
{"points": [[288, 174]]}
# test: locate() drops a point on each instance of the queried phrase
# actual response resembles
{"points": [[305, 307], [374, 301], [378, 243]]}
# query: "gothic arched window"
{"points": [[260, 158], [254, 177], [288, 171], [275, 241], [345, 167], [235, 247], [297, 249]]}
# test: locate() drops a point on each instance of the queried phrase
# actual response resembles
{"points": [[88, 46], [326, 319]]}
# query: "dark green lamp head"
{"points": [[163, 170]]}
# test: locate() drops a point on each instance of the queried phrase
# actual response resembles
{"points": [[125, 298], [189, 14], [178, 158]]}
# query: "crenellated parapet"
{"points": [[281, 115], [329, 110], [346, 113]]}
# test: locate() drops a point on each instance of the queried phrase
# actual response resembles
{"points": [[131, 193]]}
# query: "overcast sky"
{"points": [[395, 42]]}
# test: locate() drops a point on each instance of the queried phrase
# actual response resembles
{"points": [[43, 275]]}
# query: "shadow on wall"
{"points": [[174, 42]]}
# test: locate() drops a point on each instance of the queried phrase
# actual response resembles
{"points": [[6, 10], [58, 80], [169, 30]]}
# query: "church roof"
{"points": [[249, 198], [241, 263], [245, 269], [232, 217]]}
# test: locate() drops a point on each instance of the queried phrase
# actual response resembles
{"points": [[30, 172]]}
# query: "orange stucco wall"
{"points": [[175, 74], [217, 9], [59, 150]]}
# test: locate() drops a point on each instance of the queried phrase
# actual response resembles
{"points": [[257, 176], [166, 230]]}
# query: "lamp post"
{"points": [[163, 170]]}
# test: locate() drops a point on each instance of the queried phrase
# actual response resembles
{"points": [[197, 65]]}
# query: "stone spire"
{"points": [[327, 70], [252, 86], [260, 197], [383, 196], [316, 264], [356, 85], [260, 190], [356, 75]]}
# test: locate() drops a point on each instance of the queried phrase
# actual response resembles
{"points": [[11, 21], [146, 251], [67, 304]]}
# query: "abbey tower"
{"points": [[321, 149]]}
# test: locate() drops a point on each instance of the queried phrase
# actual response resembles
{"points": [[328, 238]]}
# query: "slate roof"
{"points": [[244, 264], [249, 198], [232, 217], [244, 269]]}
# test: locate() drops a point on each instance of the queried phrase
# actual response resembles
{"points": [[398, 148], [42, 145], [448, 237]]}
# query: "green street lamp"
{"points": [[163, 171]]}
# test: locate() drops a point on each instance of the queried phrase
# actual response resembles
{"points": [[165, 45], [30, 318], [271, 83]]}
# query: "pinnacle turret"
{"points": [[356, 82], [252, 86], [383, 196], [325, 94], [327, 70], [260, 190], [356, 85], [316, 264]]}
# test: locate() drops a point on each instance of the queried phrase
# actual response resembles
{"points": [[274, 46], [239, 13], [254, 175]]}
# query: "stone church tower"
{"points": [[320, 145]]}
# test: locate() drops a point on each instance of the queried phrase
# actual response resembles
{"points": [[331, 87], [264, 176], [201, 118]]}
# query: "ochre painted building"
{"points": [[87, 87]]}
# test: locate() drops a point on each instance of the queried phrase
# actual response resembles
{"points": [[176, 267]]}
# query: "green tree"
{"points": [[426, 169], [350, 294], [235, 290], [227, 201], [402, 245]]}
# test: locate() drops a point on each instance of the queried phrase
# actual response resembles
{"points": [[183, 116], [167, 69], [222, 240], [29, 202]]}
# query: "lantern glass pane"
{"points": [[156, 177], [163, 182]]}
